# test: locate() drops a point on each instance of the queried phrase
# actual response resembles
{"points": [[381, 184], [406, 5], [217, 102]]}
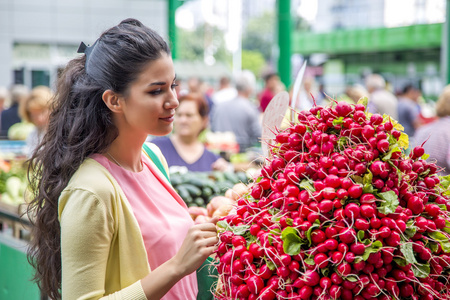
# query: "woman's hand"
{"points": [[220, 165], [200, 242]]}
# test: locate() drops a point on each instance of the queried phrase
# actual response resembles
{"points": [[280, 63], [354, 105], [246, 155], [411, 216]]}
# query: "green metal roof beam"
{"points": [[284, 40], [368, 40], [172, 6]]}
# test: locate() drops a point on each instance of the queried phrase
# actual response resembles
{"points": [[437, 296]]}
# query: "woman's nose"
{"points": [[172, 101]]}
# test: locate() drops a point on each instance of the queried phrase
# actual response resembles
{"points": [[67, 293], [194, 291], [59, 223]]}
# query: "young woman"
{"points": [[107, 224], [184, 148]]}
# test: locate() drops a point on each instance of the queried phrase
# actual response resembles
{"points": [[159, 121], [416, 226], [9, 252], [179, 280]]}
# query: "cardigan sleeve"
{"points": [[87, 230]]}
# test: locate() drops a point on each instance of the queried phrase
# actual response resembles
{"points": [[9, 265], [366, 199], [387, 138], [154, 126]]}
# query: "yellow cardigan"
{"points": [[102, 249]]}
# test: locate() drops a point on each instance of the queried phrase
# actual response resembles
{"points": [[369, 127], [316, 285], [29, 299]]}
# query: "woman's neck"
{"points": [[126, 152], [185, 140], [190, 150]]}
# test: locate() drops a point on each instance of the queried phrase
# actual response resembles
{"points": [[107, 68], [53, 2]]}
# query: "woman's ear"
{"points": [[112, 100]]}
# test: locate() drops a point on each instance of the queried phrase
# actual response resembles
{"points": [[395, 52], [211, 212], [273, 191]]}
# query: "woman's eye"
{"points": [[173, 86], [155, 92]]}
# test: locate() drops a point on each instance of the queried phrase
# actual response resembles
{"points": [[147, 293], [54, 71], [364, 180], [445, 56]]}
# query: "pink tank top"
{"points": [[162, 217]]}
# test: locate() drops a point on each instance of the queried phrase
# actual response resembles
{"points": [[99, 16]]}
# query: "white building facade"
{"points": [[37, 38]]}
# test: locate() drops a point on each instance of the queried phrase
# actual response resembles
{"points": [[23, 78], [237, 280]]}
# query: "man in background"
{"points": [[240, 115], [408, 109], [272, 87], [11, 115], [225, 91], [381, 101]]}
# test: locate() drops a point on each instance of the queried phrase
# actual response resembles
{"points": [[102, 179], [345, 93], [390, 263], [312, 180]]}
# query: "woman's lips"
{"points": [[168, 119]]}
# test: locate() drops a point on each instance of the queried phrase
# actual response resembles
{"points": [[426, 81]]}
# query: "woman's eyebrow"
{"points": [[157, 83]]}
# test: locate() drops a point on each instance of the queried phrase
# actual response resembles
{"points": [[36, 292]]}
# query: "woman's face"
{"points": [[188, 121], [39, 117], [149, 106]]}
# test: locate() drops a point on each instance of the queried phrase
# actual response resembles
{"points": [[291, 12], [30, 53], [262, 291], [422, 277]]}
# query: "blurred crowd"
{"points": [[214, 118], [24, 114]]}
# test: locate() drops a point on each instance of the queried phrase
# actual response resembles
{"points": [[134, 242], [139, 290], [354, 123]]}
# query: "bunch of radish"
{"points": [[339, 211]]}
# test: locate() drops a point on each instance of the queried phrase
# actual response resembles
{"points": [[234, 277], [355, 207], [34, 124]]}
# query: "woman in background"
{"points": [[183, 147], [35, 109], [436, 135]]}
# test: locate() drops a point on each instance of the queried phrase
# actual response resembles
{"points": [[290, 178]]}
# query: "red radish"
{"points": [[376, 119], [417, 152], [355, 191], [311, 278], [330, 187], [255, 284]]}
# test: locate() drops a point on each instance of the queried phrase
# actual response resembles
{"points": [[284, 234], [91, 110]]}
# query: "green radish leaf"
{"points": [[224, 225], [368, 177], [432, 246], [357, 179], [374, 248], [444, 182], [364, 101], [305, 184], [392, 140], [442, 207], [310, 261], [388, 155], [351, 278], [421, 270], [447, 227], [410, 230], [408, 253], [240, 230], [273, 211], [400, 261], [308, 232], [271, 265], [390, 203], [291, 241], [325, 272], [342, 142], [425, 156], [368, 189], [338, 121], [360, 235], [442, 239]]}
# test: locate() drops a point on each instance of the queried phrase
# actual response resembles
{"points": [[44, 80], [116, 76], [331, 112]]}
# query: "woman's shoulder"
{"points": [[92, 178]]}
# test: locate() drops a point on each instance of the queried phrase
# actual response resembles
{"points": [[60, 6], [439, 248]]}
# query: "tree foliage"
{"points": [[259, 35], [193, 44], [253, 61]]}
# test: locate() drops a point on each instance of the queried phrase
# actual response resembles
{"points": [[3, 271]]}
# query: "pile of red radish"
{"points": [[339, 212]]}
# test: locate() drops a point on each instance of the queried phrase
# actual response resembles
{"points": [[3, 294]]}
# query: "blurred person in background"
{"points": [[356, 92], [183, 147], [307, 94], [197, 86], [240, 115], [35, 109], [437, 134], [4, 99], [225, 92], [272, 87], [408, 109], [381, 101], [11, 115]]}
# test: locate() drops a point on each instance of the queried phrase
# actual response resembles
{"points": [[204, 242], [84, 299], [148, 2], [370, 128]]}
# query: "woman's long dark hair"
{"points": [[80, 125]]}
